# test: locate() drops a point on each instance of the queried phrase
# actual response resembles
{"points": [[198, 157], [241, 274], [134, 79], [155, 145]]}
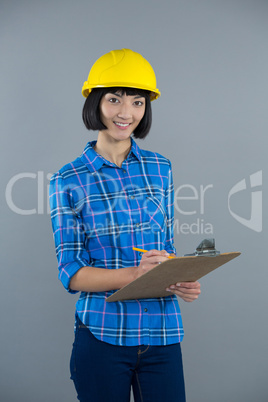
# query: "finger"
{"points": [[186, 285], [172, 255], [185, 296], [152, 253], [189, 285], [149, 263], [184, 291], [188, 300], [156, 260]]}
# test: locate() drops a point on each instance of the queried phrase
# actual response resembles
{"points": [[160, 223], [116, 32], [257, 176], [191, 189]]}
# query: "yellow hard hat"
{"points": [[121, 68]]}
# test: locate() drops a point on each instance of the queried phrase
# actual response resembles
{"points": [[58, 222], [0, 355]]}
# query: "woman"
{"points": [[114, 197]]}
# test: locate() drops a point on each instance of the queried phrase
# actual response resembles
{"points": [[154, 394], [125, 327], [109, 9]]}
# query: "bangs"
{"points": [[128, 91]]}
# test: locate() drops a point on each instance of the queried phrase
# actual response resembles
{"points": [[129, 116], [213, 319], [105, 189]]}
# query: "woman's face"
{"points": [[121, 114]]}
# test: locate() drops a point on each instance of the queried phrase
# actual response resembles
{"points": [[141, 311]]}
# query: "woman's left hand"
{"points": [[188, 291]]}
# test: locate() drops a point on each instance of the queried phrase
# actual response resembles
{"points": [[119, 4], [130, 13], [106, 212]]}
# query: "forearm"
{"points": [[92, 279]]}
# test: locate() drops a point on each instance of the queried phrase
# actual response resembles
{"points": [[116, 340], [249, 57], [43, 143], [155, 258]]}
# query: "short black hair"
{"points": [[91, 109]]}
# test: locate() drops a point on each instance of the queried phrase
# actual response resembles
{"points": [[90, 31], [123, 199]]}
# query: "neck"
{"points": [[112, 150]]}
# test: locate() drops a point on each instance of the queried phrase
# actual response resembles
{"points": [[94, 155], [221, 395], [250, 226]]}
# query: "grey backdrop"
{"points": [[211, 62]]}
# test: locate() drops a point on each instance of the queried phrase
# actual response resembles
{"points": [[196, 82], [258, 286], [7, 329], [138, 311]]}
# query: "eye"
{"points": [[138, 103], [113, 100]]}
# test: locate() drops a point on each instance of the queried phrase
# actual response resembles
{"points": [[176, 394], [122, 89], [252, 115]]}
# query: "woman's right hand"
{"points": [[93, 279], [149, 260]]}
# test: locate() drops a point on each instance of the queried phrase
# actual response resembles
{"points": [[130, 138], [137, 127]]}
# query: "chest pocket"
{"points": [[155, 214]]}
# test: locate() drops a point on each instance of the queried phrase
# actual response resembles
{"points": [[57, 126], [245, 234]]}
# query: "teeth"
{"points": [[122, 124]]}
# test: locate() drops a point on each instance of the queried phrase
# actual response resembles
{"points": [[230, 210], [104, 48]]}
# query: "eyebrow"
{"points": [[120, 96]]}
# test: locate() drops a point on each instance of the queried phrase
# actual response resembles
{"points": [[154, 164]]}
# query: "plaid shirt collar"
{"points": [[95, 161]]}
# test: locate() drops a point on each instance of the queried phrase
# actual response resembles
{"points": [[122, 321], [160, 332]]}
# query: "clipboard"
{"points": [[179, 269]]}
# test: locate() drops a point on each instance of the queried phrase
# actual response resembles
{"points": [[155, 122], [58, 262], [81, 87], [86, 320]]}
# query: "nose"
{"points": [[124, 112]]}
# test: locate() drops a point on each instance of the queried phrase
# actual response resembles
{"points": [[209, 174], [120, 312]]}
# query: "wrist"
{"points": [[133, 273]]}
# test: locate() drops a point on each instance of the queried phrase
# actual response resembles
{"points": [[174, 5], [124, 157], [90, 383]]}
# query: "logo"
{"points": [[255, 220], [190, 202]]}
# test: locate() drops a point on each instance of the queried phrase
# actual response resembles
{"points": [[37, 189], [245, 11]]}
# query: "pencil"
{"points": [[145, 251]]}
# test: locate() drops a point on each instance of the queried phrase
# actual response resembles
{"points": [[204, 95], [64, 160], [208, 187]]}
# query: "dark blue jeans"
{"points": [[102, 372]]}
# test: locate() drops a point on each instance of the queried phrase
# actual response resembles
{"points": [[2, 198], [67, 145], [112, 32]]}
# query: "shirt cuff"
{"points": [[67, 271]]}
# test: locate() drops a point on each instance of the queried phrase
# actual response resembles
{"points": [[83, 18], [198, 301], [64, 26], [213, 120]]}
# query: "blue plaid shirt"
{"points": [[100, 211]]}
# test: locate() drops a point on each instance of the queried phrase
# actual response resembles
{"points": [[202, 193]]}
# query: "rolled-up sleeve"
{"points": [[69, 236], [169, 196]]}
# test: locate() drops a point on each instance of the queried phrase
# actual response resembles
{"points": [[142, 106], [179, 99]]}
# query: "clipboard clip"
{"points": [[206, 249]]}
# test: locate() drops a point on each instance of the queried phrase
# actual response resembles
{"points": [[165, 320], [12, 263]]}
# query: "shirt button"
{"points": [[132, 197], [145, 310], [124, 171], [137, 224]]}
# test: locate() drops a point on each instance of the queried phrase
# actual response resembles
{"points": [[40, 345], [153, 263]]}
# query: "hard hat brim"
{"points": [[87, 88]]}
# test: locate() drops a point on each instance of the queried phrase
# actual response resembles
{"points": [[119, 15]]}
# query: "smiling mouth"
{"points": [[122, 125]]}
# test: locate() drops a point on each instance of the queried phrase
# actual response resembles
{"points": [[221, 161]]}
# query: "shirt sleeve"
{"points": [[169, 196], [68, 231]]}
